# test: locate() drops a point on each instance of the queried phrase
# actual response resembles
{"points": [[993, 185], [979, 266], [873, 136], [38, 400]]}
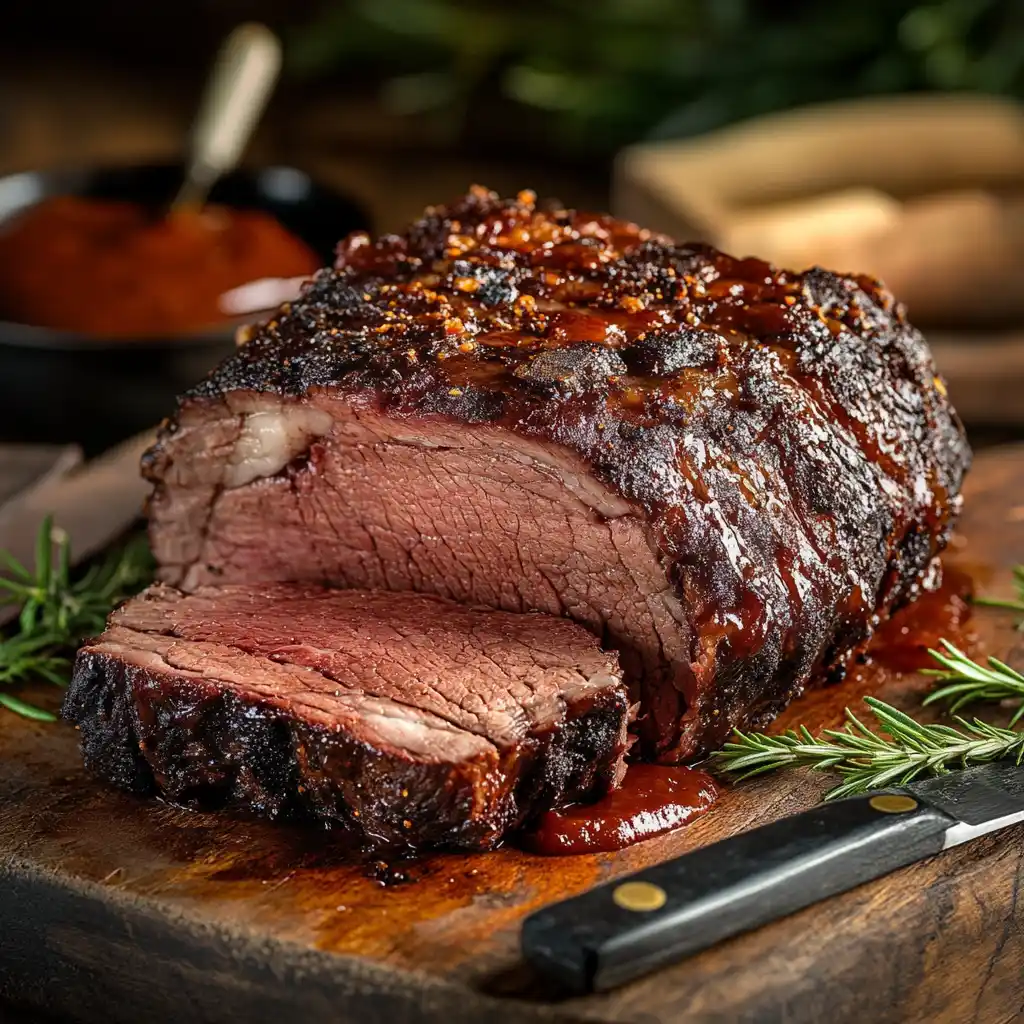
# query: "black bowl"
{"points": [[58, 386]]}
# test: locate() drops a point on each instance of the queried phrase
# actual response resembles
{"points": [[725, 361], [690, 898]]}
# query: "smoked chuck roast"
{"points": [[411, 720], [727, 472]]}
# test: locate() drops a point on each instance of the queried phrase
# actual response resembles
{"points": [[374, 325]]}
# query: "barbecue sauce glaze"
{"points": [[782, 436]]}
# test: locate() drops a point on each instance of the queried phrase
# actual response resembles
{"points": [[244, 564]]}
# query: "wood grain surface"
{"points": [[115, 909]]}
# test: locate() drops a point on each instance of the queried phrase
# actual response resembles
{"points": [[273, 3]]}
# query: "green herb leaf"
{"points": [[25, 709], [905, 749], [1016, 605], [968, 681], [899, 751], [58, 611]]}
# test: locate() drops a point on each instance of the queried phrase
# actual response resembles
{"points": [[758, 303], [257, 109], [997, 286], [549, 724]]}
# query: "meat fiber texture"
{"points": [[729, 473], [411, 721]]}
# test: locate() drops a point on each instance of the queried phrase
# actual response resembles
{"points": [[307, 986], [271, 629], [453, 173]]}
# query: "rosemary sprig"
{"points": [[59, 609], [968, 681], [901, 751], [1017, 604]]}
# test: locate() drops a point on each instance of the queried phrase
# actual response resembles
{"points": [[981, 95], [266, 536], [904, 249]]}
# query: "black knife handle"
{"points": [[624, 929]]}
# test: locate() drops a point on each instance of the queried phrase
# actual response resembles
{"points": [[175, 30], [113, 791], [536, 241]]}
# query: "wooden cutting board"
{"points": [[116, 909]]}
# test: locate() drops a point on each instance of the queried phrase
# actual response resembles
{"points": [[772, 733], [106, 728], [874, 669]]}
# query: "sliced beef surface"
{"points": [[407, 718], [726, 471]]}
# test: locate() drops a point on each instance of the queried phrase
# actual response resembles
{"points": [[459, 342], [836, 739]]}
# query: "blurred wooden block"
{"points": [[925, 192], [985, 373], [901, 146]]}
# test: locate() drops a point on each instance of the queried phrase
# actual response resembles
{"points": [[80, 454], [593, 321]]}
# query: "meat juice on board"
{"points": [[902, 642]]}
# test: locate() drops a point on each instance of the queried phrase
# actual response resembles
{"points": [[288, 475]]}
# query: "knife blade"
{"points": [[627, 928], [23, 466], [93, 503]]}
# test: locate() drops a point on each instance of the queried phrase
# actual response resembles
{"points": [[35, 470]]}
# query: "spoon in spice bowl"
{"points": [[237, 92], [84, 358], [261, 296]]}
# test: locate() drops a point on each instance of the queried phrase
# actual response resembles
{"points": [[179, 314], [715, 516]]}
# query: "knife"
{"points": [[94, 503], [627, 928], [23, 466]]}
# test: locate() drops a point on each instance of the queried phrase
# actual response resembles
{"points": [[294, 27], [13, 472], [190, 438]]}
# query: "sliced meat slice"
{"points": [[410, 719]]}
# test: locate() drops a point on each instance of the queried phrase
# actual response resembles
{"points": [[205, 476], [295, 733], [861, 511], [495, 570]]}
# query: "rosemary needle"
{"points": [[898, 752], [58, 609], [967, 681], [1016, 605], [904, 749]]}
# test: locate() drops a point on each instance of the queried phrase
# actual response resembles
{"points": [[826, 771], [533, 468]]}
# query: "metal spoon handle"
{"points": [[236, 94]]}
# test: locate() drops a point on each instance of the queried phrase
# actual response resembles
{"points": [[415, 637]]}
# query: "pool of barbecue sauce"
{"points": [[902, 642], [653, 799]]}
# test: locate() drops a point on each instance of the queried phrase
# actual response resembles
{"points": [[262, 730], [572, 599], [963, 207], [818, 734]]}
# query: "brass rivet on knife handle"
{"points": [[893, 803], [639, 896]]}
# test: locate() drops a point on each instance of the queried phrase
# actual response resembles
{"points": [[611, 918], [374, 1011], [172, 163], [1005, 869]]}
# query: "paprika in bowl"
{"points": [[109, 307]]}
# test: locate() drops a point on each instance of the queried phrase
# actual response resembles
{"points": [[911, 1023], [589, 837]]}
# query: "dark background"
{"points": [[401, 103], [548, 90]]}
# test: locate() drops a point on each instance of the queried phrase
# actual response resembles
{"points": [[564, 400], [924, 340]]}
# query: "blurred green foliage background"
{"points": [[607, 72]]}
